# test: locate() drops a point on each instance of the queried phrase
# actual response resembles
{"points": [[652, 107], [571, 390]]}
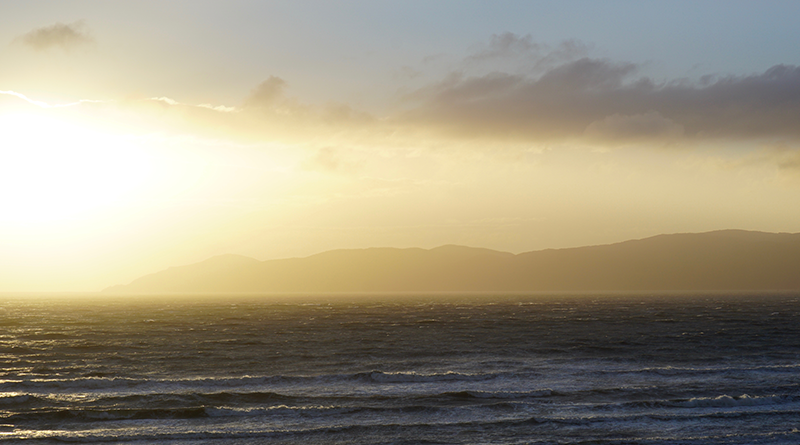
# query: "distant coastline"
{"points": [[726, 260]]}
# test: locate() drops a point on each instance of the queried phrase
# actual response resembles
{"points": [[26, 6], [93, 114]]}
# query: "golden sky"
{"points": [[135, 136]]}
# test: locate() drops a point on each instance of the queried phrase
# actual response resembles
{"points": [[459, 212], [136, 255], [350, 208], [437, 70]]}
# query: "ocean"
{"points": [[392, 369]]}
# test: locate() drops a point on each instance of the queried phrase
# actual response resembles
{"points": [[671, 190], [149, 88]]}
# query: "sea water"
{"points": [[444, 369]]}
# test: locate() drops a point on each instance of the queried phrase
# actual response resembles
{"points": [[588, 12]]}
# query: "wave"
{"points": [[334, 414], [648, 430], [320, 422], [22, 403], [318, 411], [673, 371], [722, 401], [16, 399], [95, 384], [61, 415], [504, 395], [348, 410], [726, 401], [412, 377]]}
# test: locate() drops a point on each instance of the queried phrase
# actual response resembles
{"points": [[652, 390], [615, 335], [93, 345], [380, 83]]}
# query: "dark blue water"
{"points": [[448, 369]]}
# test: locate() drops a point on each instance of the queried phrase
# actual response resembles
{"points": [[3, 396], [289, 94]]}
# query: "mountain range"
{"points": [[719, 260]]}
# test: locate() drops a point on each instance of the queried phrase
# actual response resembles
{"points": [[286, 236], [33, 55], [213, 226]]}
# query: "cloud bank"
{"points": [[603, 100], [588, 101]]}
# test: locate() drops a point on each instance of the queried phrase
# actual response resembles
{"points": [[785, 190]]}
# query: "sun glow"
{"points": [[53, 170]]}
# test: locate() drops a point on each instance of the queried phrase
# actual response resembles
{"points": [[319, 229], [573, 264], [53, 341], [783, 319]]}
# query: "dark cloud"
{"points": [[60, 35], [591, 98], [637, 127], [270, 106], [785, 156], [791, 163], [267, 93]]}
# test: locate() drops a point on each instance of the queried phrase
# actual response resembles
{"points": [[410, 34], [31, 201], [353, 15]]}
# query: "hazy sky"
{"points": [[139, 135]]}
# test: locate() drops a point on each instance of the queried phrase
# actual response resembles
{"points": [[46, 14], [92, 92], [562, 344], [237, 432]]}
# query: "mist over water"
{"points": [[453, 369]]}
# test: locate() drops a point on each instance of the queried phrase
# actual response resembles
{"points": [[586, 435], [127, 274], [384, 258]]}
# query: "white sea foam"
{"points": [[726, 401], [510, 394], [413, 377]]}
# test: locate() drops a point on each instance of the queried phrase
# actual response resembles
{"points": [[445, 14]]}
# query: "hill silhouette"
{"points": [[720, 260]]}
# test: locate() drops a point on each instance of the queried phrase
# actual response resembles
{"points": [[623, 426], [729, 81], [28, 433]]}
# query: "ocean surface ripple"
{"points": [[438, 369]]}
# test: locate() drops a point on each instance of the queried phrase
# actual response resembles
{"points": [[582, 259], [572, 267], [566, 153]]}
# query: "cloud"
{"points": [[406, 73], [267, 93], [59, 35], [220, 108], [785, 156], [559, 104], [332, 160], [41, 104], [781, 155], [506, 45], [790, 162], [525, 53], [595, 98], [586, 101], [637, 127], [267, 114]]}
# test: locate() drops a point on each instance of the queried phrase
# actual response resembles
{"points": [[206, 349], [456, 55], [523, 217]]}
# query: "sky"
{"points": [[135, 136]]}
